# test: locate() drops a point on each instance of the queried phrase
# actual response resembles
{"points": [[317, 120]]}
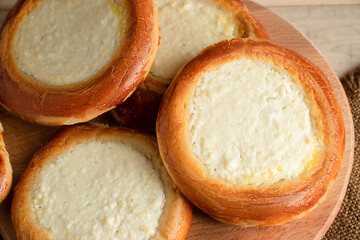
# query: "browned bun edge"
{"points": [[53, 105], [6, 173], [175, 219], [242, 205]]}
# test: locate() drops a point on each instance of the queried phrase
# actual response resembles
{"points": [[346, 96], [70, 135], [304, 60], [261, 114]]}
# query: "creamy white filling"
{"points": [[99, 190], [65, 42], [187, 26], [249, 123]]}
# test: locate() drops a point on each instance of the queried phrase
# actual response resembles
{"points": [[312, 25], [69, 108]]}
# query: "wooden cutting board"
{"points": [[22, 139]]}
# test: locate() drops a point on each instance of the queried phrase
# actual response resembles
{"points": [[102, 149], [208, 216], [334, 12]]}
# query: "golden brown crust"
{"points": [[80, 102], [5, 171], [246, 206], [175, 220], [140, 110]]}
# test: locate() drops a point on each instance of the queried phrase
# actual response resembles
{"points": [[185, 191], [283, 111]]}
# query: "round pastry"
{"points": [[91, 182], [64, 62], [251, 133], [187, 26], [5, 169]]}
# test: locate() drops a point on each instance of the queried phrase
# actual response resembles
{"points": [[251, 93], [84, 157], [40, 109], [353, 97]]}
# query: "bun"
{"points": [[251, 133], [48, 75], [100, 182]]}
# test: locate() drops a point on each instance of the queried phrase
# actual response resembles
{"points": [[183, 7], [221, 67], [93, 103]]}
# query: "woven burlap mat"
{"points": [[347, 223]]}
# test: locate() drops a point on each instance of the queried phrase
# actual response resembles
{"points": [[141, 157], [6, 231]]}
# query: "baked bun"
{"points": [[187, 26], [94, 182], [251, 133], [64, 62], [5, 169]]}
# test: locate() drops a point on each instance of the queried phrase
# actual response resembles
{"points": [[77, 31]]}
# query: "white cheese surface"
{"points": [[65, 42], [99, 190], [187, 26], [249, 123]]}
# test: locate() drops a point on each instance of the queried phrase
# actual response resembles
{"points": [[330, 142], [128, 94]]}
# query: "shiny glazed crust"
{"points": [[175, 220], [5, 171], [136, 111], [49, 105], [242, 205]]}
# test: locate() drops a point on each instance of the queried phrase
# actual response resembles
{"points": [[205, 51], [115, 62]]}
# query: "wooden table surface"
{"points": [[332, 25]]}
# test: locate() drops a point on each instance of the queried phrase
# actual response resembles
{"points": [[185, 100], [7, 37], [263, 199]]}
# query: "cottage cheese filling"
{"points": [[187, 26], [65, 42], [99, 190], [249, 123]]}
